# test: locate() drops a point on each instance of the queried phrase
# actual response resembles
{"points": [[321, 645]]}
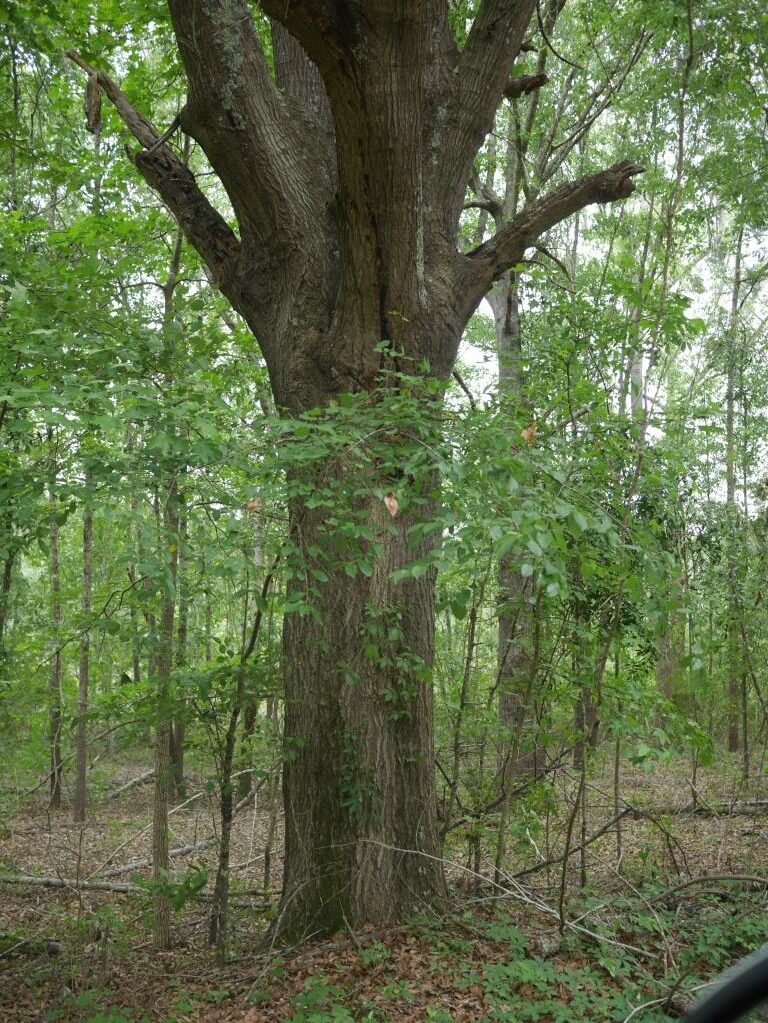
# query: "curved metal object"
{"points": [[741, 989]]}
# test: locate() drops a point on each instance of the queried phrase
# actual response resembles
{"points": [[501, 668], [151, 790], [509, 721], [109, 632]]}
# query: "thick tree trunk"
{"points": [[347, 174], [361, 832]]}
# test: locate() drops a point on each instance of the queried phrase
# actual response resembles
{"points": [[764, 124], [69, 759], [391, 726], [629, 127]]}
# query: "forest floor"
{"points": [[681, 899]]}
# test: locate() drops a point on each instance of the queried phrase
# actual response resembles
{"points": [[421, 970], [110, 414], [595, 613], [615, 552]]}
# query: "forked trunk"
{"points": [[348, 177]]}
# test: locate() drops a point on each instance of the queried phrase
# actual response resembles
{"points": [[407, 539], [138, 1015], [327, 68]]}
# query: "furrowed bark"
{"points": [[361, 829], [493, 44], [243, 122]]}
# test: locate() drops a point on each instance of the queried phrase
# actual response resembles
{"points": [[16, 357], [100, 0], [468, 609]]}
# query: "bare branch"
{"points": [[489, 261], [462, 384], [203, 225], [557, 8]]}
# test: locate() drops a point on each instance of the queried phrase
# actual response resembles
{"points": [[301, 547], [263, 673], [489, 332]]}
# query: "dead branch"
{"points": [[489, 261], [203, 225], [132, 784], [181, 850]]}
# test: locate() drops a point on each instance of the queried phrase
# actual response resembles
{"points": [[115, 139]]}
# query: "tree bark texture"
{"points": [[81, 757], [54, 682], [361, 826], [163, 766], [347, 173]]}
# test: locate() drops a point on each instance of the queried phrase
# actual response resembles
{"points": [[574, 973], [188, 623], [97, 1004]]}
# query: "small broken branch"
{"points": [[132, 784], [524, 84], [181, 850], [72, 883], [204, 226], [470, 397], [119, 887], [173, 127]]}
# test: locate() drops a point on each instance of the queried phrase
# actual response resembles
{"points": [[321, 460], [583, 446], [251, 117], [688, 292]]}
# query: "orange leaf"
{"points": [[529, 433], [391, 502]]}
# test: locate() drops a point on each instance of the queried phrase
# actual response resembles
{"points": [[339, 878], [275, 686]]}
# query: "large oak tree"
{"points": [[347, 171]]}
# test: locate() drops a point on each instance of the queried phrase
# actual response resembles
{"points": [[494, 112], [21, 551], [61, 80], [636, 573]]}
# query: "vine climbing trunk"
{"points": [[361, 830]]}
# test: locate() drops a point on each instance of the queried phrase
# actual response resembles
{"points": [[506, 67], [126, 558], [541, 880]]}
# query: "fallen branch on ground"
{"points": [[132, 783], [119, 887], [745, 879], [181, 850], [18, 945]]}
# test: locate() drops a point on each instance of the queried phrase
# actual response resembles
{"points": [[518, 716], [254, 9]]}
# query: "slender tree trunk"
{"points": [[251, 703], [273, 797], [135, 532], [84, 670], [458, 723], [217, 932], [169, 542], [6, 582], [512, 753], [250, 715], [12, 144], [54, 684], [587, 674], [163, 768], [732, 514], [515, 604], [178, 730]]}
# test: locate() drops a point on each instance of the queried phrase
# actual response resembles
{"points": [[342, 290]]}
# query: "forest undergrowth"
{"points": [[639, 922]]}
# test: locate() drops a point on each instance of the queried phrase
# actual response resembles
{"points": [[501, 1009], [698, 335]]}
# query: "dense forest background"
{"points": [[601, 635]]}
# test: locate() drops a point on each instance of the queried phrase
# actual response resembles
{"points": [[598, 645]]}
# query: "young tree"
{"points": [[347, 174]]}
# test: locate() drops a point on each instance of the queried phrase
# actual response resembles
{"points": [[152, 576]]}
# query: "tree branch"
{"points": [[270, 166], [203, 225], [495, 39], [489, 261], [524, 84]]}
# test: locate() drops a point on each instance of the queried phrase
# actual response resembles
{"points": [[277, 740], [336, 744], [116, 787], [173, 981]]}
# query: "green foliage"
{"points": [[376, 952], [614, 526], [319, 1003], [178, 893]]}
